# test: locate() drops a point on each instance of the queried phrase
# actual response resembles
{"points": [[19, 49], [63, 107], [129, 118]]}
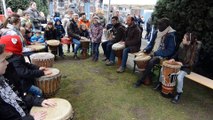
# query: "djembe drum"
{"points": [[53, 45], [43, 59], [142, 61], [85, 47], [118, 49], [168, 83], [66, 41], [49, 84], [36, 47], [62, 111]]}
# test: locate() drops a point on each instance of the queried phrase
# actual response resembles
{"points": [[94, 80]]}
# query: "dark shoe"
{"points": [[157, 86], [137, 84], [120, 70], [76, 57], [110, 63], [176, 99], [104, 59]]}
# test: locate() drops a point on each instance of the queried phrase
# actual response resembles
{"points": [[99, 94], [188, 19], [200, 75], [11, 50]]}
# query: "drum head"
{"points": [[42, 55], [36, 47], [143, 58], [54, 71], [171, 65], [62, 111], [53, 42], [118, 46]]}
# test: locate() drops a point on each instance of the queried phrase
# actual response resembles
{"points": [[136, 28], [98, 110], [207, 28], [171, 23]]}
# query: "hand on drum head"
{"points": [[39, 115], [171, 60], [48, 103], [43, 68], [47, 72]]}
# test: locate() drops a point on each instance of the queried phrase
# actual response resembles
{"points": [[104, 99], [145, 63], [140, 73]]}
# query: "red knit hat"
{"points": [[12, 43]]}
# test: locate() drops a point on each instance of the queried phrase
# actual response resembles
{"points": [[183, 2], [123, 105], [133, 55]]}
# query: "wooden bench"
{"points": [[200, 79]]}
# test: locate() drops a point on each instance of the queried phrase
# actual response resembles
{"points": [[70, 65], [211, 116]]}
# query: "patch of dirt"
{"points": [[79, 86], [139, 113]]}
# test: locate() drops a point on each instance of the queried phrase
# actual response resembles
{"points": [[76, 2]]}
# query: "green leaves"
{"points": [[190, 15]]}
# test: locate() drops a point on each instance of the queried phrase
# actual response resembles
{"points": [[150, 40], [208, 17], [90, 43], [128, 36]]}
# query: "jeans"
{"points": [[95, 50], [104, 44], [124, 57], [180, 79], [108, 49], [77, 43], [35, 90]]}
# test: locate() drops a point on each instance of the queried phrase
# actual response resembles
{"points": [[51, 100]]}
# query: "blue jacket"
{"points": [[35, 38], [166, 49]]}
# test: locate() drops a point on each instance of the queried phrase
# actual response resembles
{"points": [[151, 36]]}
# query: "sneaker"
{"points": [[120, 70], [110, 63], [176, 99]]}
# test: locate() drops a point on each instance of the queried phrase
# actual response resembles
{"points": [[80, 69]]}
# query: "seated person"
{"points": [[27, 36], [37, 37], [161, 46], [119, 33], [132, 43], [187, 56], [13, 104], [19, 69]]}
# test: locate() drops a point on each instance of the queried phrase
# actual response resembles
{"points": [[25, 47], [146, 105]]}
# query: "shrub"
{"points": [[191, 15]]}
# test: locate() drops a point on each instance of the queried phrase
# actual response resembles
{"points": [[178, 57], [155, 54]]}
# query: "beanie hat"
{"points": [[12, 44]]}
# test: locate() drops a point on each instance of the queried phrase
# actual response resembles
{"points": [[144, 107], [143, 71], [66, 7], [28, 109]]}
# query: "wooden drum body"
{"points": [[168, 84], [118, 49], [142, 61], [43, 59], [85, 47], [62, 111], [49, 84], [53, 45]]}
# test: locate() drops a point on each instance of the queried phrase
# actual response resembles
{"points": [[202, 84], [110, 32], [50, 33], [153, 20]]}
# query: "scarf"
{"points": [[161, 36], [10, 97]]}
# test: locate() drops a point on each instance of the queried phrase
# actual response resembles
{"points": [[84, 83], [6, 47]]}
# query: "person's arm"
{"points": [[100, 33], [120, 35], [41, 39], [23, 69], [169, 47]]}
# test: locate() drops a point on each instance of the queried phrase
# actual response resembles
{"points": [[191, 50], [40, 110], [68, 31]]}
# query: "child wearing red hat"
{"points": [[19, 69]]}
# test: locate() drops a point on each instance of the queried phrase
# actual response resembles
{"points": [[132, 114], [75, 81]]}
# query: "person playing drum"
{"points": [[132, 43], [118, 31], [14, 104], [161, 46], [187, 56], [19, 69]]}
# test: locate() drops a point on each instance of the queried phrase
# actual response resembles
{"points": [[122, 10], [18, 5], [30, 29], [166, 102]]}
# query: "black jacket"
{"points": [[8, 112], [73, 30], [50, 34], [119, 32], [133, 38], [20, 70]]}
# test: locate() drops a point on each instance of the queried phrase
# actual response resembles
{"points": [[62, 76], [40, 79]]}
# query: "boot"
{"points": [[176, 98]]}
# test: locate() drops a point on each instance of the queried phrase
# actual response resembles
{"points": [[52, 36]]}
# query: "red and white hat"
{"points": [[12, 44]]}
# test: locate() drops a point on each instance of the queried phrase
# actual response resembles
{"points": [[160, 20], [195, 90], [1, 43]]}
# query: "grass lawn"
{"points": [[97, 92]]}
